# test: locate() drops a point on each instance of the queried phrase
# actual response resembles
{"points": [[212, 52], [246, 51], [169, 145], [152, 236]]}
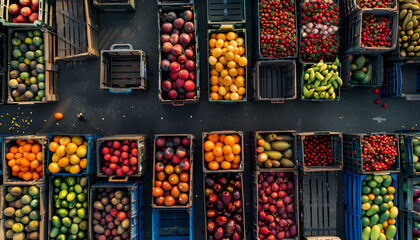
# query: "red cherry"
{"points": [[385, 105], [378, 101], [376, 90]]}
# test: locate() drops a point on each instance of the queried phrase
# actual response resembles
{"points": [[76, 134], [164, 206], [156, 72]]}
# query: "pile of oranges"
{"points": [[25, 159], [227, 66], [222, 151], [69, 154]]}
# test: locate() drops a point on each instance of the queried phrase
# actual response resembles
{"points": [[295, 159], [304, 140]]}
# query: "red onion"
{"points": [[283, 223], [293, 230], [261, 216], [280, 174], [290, 185], [265, 184], [281, 210], [274, 187], [268, 190], [283, 186], [290, 208], [264, 230], [260, 179], [282, 194], [287, 200], [274, 195], [272, 209], [272, 226], [269, 218], [279, 204], [280, 235], [270, 179]]}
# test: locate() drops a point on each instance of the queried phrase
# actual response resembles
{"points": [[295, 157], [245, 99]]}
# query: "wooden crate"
{"points": [[77, 30], [115, 5], [191, 172], [123, 69], [51, 70], [141, 161], [319, 211], [46, 15]]}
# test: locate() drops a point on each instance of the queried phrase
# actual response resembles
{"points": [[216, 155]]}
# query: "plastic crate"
{"points": [[319, 211], [406, 223], [90, 156], [191, 172], [173, 224], [136, 190], [51, 202], [406, 192], [353, 153], [241, 165], [353, 204], [323, 238], [115, 5], [402, 80], [336, 151], [254, 146], [353, 43], [257, 35], [275, 81], [306, 66], [3, 65], [51, 71], [43, 208], [123, 69], [255, 201], [10, 141], [407, 152], [163, 75], [142, 156], [377, 71], [77, 31], [174, 2], [1, 153], [351, 6], [46, 15], [141, 225], [214, 176], [225, 16]]}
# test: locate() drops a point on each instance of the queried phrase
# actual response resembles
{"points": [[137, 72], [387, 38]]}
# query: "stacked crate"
{"points": [[320, 196], [401, 79], [408, 183], [176, 221], [263, 169], [38, 192], [363, 180], [213, 177], [274, 78]]}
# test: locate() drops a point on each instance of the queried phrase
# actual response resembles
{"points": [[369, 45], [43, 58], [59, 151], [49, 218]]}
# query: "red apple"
{"points": [[26, 11], [25, 3], [189, 85], [14, 9]]}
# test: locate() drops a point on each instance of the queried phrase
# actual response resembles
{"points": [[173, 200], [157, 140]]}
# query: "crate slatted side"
{"points": [[115, 5], [173, 224], [319, 203], [377, 74]]}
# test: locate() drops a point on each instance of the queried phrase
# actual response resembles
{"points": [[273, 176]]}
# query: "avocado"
{"points": [[9, 212], [34, 88], [42, 47], [34, 215], [21, 88], [26, 199], [30, 55], [37, 33], [30, 34], [23, 67], [9, 197], [27, 82], [13, 83], [21, 59], [16, 191], [41, 77], [41, 85], [14, 64], [29, 95], [9, 223], [41, 93], [37, 41], [24, 75], [18, 204], [17, 53], [34, 72], [40, 68], [33, 64], [33, 225], [23, 47], [16, 41], [14, 73]]}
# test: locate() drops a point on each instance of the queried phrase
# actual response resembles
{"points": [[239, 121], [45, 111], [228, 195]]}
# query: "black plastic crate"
{"points": [[353, 34], [175, 2], [275, 80], [336, 151], [352, 6], [225, 11], [377, 71], [115, 5], [3, 65], [320, 212], [353, 159], [402, 80], [407, 223], [409, 160], [123, 69]]}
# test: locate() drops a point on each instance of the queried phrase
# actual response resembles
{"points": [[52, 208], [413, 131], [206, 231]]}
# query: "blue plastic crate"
{"points": [[173, 224], [141, 225], [353, 161], [406, 192], [407, 162], [90, 157], [137, 230], [391, 86], [353, 204]]}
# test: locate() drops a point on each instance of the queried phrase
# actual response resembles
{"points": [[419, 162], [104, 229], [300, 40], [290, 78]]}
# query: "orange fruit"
{"points": [[242, 61], [10, 156], [40, 169], [27, 147], [221, 36], [63, 162], [230, 36], [214, 80], [219, 144], [212, 43], [227, 149], [169, 200], [24, 163], [214, 88], [53, 146], [18, 155], [27, 176], [371, 197], [208, 146], [35, 176], [83, 163], [236, 148], [235, 166], [240, 41], [214, 96], [15, 168], [222, 137], [157, 192], [213, 165], [229, 157], [237, 138], [237, 159], [219, 159], [229, 140], [169, 169], [184, 187], [58, 115], [39, 156], [217, 151], [225, 165], [158, 184], [74, 169], [13, 149], [241, 91], [31, 156], [208, 156], [213, 137], [11, 163], [34, 164], [36, 148]]}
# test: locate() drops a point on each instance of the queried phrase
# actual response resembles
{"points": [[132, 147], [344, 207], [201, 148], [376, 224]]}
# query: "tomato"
{"points": [[169, 201], [159, 200], [175, 192], [184, 177], [166, 186], [58, 115], [157, 192], [183, 187], [161, 176], [174, 179], [183, 198], [158, 183], [169, 169], [178, 169]]}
